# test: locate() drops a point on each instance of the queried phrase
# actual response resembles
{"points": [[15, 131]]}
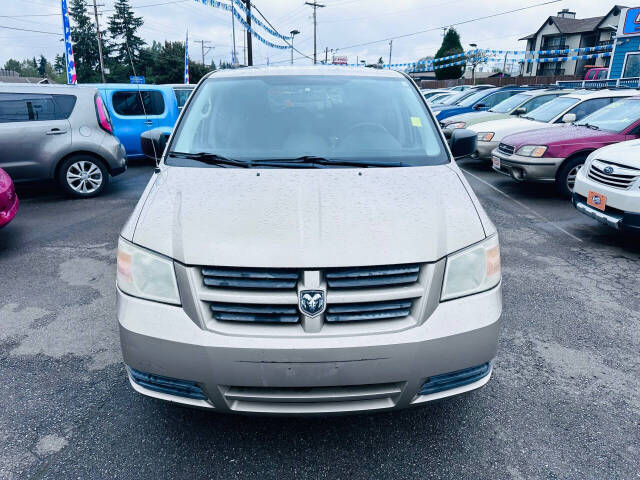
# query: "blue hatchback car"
{"points": [[135, 109], [479, 101]]}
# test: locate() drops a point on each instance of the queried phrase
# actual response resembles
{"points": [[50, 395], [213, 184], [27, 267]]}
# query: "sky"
{"points": [[342, 25]]}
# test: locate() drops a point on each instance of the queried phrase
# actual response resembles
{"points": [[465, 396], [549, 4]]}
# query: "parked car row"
{"points": [[584, 141], [80, 136]]}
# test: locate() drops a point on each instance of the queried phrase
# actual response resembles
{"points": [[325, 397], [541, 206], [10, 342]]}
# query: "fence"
{"points": [[498, 82]]}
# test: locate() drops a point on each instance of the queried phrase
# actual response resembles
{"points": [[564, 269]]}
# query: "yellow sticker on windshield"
{"points": [[416, 122]]}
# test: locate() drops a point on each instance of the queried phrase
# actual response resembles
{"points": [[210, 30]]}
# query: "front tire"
{"points": [[83, 176], [566, 176]]}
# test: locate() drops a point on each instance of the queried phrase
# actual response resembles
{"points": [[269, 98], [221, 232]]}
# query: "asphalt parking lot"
{"points": [[564, 400]]}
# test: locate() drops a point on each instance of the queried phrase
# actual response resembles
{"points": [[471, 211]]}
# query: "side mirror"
{"points": [[463, 142], [153, 142], [519, 111], [478, 106], [569, 118]]}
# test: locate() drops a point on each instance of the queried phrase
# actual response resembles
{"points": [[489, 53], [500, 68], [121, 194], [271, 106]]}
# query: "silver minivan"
{"points": [[307, 245], [58, 132]]}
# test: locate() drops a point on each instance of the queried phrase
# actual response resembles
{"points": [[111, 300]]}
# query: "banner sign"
{"points": [[136, 79], [186, 59], [68, 49], [256, 35]]}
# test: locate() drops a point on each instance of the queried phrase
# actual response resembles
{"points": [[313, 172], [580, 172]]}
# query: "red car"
{"points": [[8, 199], [556, 154]]}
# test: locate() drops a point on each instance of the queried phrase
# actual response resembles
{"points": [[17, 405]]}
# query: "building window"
{"points": [[631, 65]]}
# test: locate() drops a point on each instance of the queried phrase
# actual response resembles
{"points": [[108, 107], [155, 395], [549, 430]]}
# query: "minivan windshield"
{"points": [[615, 117], [279, 118], [550, 110]]}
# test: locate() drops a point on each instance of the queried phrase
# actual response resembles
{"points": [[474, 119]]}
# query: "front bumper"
{"points": [[484, 149], [612, 217], [527, 169], [312, 373]]}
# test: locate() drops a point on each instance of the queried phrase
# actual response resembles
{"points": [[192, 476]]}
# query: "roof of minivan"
{"points": [[42, 88], [307, 70]]}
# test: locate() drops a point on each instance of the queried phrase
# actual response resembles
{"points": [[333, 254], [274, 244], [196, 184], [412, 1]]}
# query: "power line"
{"points": [[451, 25], [28, 30]]}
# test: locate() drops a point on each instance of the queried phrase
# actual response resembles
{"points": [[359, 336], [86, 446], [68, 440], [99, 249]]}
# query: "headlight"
{"points": [[145, 274], [485, 136], [456, 125], [473, 270], [532, 150]]}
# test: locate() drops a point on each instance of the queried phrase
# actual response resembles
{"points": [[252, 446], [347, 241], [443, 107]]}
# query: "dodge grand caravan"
{"points": [[307, 245]]}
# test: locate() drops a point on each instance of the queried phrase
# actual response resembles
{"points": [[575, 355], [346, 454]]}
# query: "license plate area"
{"points": [[597, 200], [495, 161]]}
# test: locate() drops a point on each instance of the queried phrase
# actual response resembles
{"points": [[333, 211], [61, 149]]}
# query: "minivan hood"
{"points": [[305, 218]]}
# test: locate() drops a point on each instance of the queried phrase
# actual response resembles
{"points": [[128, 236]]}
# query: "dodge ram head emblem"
{"points": [[311, 302]]}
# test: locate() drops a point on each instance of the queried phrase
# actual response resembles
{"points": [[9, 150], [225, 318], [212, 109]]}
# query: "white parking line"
{"points": [[522, 205]]}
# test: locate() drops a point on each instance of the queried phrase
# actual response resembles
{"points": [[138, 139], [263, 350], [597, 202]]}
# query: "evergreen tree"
{"points": [[13, 64], [450, 46], [85, 44], [60, 64], [42, 66], [123, 26]]}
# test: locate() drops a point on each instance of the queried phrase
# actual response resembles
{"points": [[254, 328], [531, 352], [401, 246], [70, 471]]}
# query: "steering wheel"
{"points": [[370, 126]]}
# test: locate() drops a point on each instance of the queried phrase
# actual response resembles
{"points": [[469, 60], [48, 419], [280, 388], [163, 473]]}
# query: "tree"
{"points": [[13, 64], [42, 66], [85, 43], [450, 46], [123, 26], [60, 64]]}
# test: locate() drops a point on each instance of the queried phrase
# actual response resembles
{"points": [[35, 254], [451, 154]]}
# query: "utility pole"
{"points": [[95, 12], [244, 50], [390, 49], [249, 46], [326, 55], [202, 45], [234, 58], [315, 6]]}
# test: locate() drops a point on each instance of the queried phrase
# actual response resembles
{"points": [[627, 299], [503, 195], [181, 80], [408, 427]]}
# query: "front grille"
{"points": [[506, 149], [241, 312], [363, 277], [170, 386], [250, 278], [354, 312], [459, 378], [312, 399], [616, 180]]}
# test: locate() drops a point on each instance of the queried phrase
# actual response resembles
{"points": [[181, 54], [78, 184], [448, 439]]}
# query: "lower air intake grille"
{"points": [[459, 378], [253, 278], [362, 277], [170, 386], [354, 312], [236, 312]]}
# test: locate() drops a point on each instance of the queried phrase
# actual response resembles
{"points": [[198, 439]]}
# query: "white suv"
{"points": [[607, 187]]}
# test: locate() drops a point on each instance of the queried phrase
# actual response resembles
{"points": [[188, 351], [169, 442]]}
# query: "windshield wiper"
{"points": [[321, 162], [588, 125], [210, 159], [528, 118]]}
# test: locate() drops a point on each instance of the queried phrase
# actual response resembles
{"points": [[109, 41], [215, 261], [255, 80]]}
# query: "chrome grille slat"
{"points": [[372, 276], [368, 311], [250, 278], [238, 312]]}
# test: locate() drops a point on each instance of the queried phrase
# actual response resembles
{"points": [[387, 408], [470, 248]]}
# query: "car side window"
{"points": [[496, 98], [64, 105], [589, 106], [535, 102], [133, 103], [20, 107]]}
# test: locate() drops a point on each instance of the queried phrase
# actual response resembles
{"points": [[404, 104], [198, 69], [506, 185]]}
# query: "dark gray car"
{"points": [[59, 132]]}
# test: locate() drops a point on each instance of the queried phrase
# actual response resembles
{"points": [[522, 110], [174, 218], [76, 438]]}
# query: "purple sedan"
{"points": [[8, 199]]}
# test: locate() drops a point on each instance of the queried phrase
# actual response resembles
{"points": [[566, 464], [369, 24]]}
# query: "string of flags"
{"points": [[243, 22], [257, 21]]}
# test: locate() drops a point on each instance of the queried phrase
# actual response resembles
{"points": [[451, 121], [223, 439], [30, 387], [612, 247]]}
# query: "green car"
{"points": [[517, 105]]}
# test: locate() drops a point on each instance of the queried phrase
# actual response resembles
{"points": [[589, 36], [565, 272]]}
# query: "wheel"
{"points": [[566, 176], [83, 176]]}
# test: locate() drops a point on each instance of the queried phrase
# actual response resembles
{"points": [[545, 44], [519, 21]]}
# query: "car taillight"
{"points": [[103, 116]]}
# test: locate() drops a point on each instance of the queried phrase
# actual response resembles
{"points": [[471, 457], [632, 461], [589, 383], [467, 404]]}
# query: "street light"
{"points": [[474, 63], [293, 34]]}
